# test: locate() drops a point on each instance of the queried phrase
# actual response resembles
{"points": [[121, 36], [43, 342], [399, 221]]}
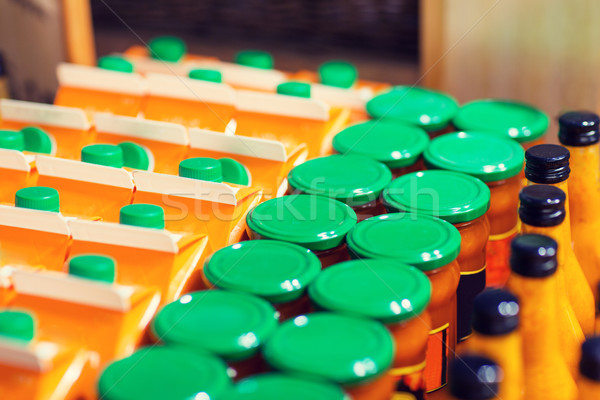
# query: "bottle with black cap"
{"points": [[496, 335], [542, 211], [579, 133], [474, 377], [533, 280], [589, 370]]}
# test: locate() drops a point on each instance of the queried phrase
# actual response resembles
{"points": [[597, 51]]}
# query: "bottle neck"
{"points": [[584, 180]]}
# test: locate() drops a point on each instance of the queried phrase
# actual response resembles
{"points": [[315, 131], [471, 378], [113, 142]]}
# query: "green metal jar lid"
{"points": [[426, 108], [109, 155], [338, 73], [276, 386], [418, 240], [135, 156], [158, 373], [255, 58], [349, 178], [16, 324], [210, 75], [143, 215], [167, 48], [115, 63], [451, 196], [484, 156], [315, 222], [93, 266], [38, 198], [37, 140], [12, 140], [512, 119], [298, 89], [233, 325], [276, 271], [386, 290], [336, 347], [395, 144]]}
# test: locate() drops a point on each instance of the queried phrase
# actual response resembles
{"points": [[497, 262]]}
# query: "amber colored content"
{"points": [[588, 389], [546, 374]]}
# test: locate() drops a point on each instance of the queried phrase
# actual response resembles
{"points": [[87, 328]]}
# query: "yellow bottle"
{"points": [[589, 370], [475, 377], [533, 280]]}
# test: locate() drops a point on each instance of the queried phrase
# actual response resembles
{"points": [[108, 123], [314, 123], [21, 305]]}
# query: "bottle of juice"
{"points": [[473, 377], [589, 370], [533, 280]]}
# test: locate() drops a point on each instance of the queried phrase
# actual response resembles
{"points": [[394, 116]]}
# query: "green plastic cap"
{"points": [[18, 325], [103, 154], [37, 140], [349, 178], [421, 241], [12, 140], [451, 196], [298, 89], [210, 75], [255, 58], [202, 168], [158, 373], [135, 156], [484, 156], [275, 386], [167, 48], [143, 215], [426, 108], [38, 198], [512, 119], [386, 290], [234, 172], [315, 222], [395, 144], [276, 271], [334, 347], [115, 63], [92, 266], [338, 73], [232, 325]]}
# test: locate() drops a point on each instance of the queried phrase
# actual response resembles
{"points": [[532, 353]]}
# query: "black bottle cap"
{"points": [[474, 377], [589, 366], [547, 163], [495, 312], [542, 205], [533, 256], [579, 128]]}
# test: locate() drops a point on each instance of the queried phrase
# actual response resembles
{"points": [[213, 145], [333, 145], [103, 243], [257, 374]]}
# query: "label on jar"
{"points": [[497, 252], [410, 383], [471, 284], [436, 370]]}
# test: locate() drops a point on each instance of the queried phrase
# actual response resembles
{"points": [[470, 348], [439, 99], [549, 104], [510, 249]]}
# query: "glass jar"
{"points": [[431, 245], [315, 222], [463, 201], [279, 272], [396, 144], [393, 293], [353, 179]]}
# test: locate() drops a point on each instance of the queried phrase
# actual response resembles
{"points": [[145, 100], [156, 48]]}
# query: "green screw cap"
{"points": [[352, 179], [143, 215], [115, 63], [418, 240], [276, 271], [426, 108], [334, 347], [12, 140], [484, 156], [210, 75], [38, 198], [234, 172], [158, 373], [18, 325], [167, 48], [518, 121], [386, 290], [338, 73], [451, 196], [298, 89], [232, 325], [315, 222], [103, 154], [255, 58], [135, 156], [94, 267], [37, 140], [395, 144], [202, 168]]}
